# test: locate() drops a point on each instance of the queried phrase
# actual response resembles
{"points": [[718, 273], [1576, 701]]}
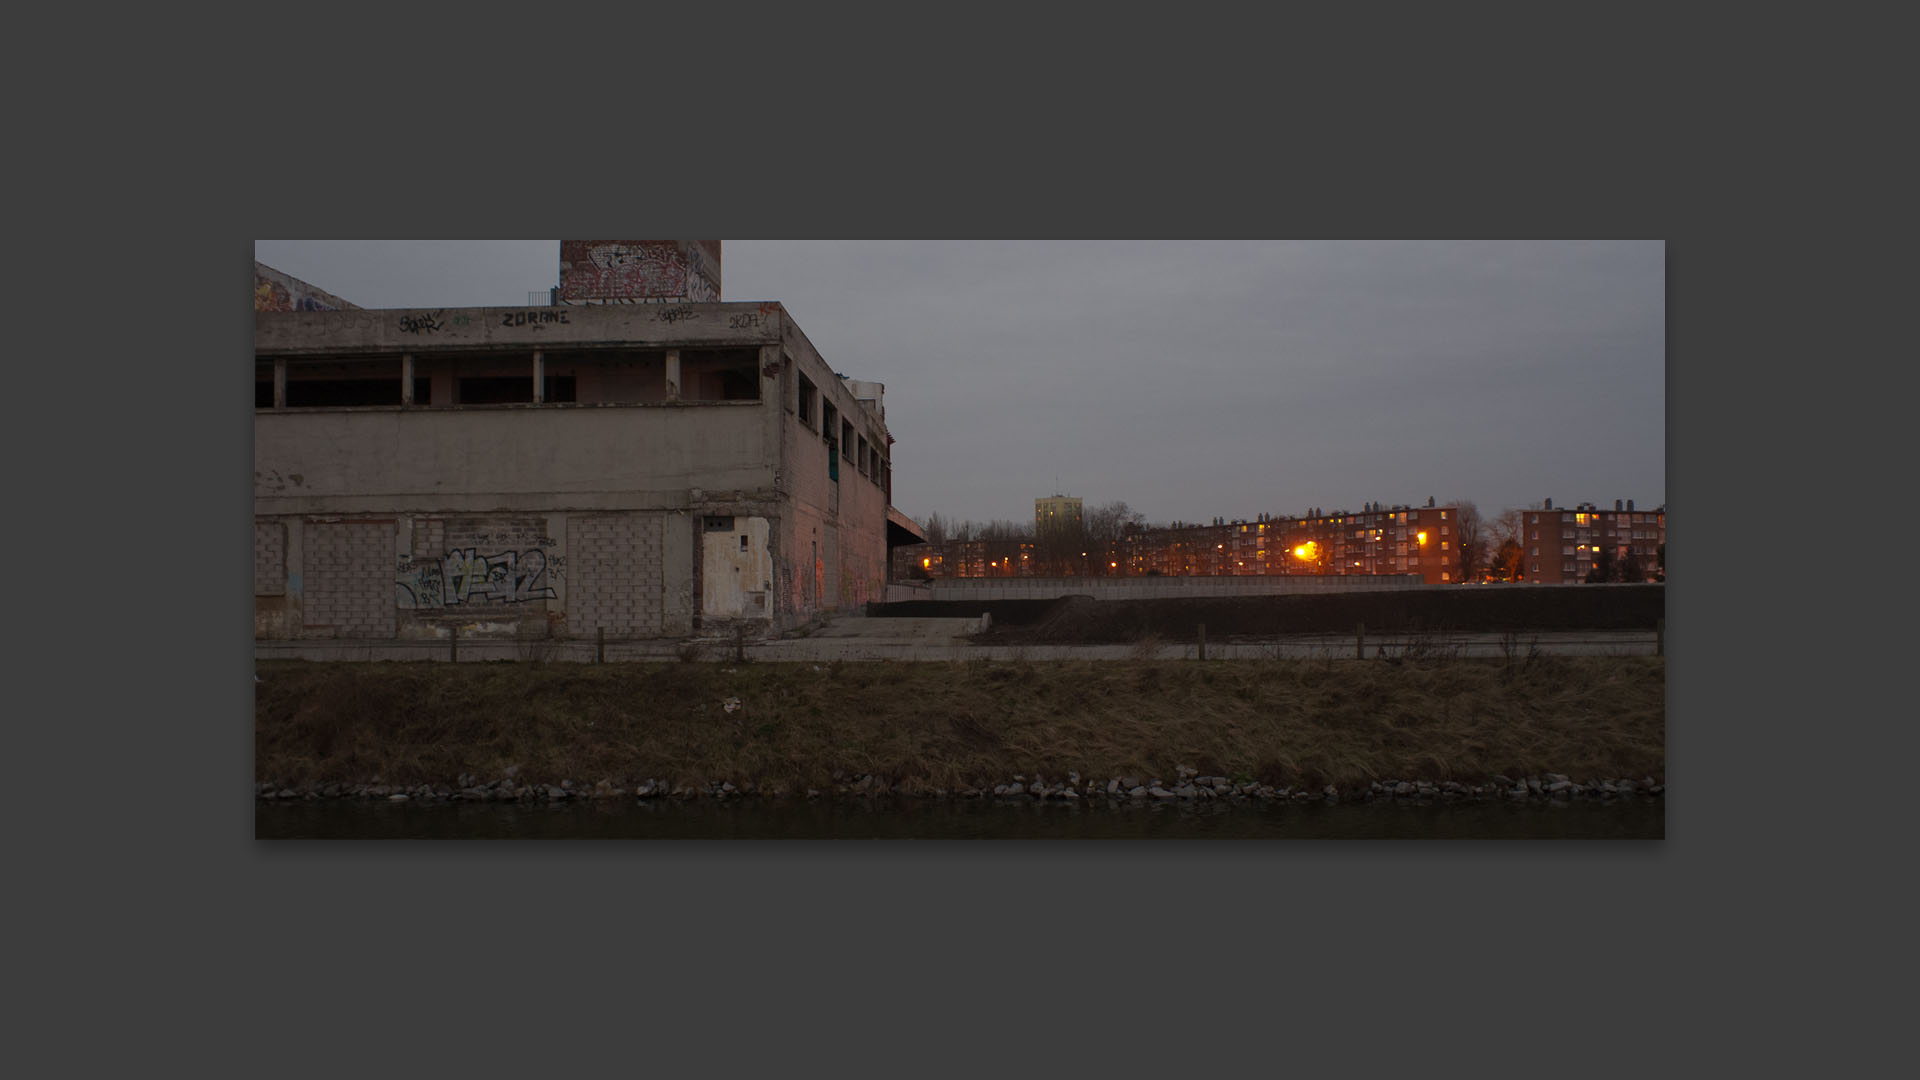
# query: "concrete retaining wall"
{"points": [[1150, 588]]}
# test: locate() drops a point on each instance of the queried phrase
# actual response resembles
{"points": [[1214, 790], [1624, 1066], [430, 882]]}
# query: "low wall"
{"points": [[1161, 588]]}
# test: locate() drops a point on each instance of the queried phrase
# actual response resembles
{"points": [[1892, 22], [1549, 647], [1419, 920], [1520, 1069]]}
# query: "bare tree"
{"points": [[1105, 525], [1631, 569], [1508, 560], [1469, 533], [1507, 534]]}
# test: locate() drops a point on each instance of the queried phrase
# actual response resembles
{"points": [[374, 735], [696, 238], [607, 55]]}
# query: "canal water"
{"points": [[956, 819]]}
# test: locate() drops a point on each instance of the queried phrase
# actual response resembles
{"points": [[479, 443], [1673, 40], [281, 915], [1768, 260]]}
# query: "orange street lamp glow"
{"points": [[1422, 538], [1305, 551]]}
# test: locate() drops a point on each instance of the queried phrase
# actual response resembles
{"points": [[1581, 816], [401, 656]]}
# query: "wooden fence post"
{"points": [[1203, 641], [1660, 636], [453, 642], [1360, 641], [600, 644]]}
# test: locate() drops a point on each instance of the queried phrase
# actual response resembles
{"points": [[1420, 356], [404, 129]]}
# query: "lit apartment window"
{"points": [[1443, 515], [1444, 576], [1444, 545]]}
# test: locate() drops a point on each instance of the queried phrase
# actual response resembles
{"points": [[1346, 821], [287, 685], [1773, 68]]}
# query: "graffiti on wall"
{"points": [[273, 296], [532, 318], [464, 576], [422, 324], [637, 271], [702, 284]]}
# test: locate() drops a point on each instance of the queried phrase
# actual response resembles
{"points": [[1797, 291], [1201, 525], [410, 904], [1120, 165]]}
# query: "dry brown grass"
{"points": [[960, 724]]}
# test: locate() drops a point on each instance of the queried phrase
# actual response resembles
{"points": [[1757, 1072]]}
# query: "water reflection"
{"points": [[889, 818]]}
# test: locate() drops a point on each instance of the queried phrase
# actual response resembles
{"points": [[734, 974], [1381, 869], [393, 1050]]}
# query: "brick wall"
{"points": [[269, 558], [614, 574], [348, 572]]}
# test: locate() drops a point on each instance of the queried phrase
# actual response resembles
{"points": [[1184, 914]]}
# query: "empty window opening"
{"points": [[611, 376], [829, 424], [808, 402], [720, 374], [510, 390], [743, 543], [344, 384]]}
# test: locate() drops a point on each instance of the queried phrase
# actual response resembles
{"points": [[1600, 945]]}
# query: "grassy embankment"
{"points": [[961, 724]]}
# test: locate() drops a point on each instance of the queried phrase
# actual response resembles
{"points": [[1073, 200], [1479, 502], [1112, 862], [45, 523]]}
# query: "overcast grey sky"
{"points": [[1189, 379]]}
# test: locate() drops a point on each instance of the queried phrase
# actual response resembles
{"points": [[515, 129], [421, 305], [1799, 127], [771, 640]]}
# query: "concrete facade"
{"points": [[1057, 512], [638, 470]]}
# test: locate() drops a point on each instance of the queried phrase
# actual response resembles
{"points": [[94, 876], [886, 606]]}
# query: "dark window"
{"points": [[511, 389], [720, 374], [344, 393], [807, 396]]}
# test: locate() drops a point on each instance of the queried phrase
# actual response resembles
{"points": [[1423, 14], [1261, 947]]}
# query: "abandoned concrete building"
{"points": [[635, 458]]}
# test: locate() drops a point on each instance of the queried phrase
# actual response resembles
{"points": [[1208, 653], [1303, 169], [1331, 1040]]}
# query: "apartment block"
{"points": [[1564, 546]]}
